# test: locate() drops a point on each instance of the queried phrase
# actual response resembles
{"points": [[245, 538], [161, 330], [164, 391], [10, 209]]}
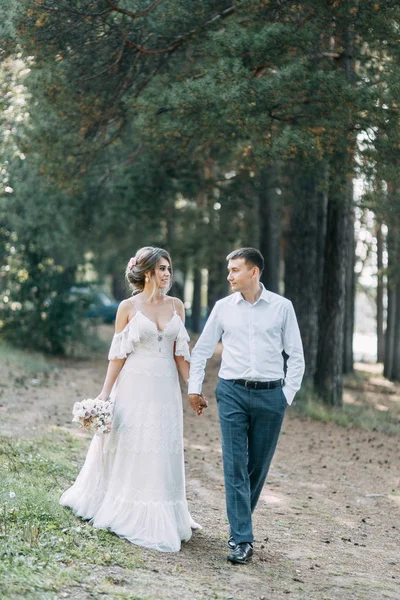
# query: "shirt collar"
{"points": [[264, 296]]}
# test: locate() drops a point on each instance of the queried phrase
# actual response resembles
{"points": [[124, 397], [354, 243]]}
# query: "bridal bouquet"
{"points": [[93, 415]]}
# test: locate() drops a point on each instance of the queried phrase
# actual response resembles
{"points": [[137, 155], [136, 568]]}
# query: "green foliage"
{"points": [[33, 313], [29, 364], [38, 268], [130, 123]]}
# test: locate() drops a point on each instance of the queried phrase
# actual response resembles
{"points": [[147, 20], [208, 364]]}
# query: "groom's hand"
{"points": [[198, 402]]}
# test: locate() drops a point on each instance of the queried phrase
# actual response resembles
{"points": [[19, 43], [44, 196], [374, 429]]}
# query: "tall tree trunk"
{"points": [[396, 353], [328, 376], [250, 204], [217, 283], [270, 219], [392, 346], [329, 373], [348, 333], [170, 223], [303, 265], [390, 333], [221, 242], [118, 287], [203, 209], [196, 301], [350, 290], [379, 296]]}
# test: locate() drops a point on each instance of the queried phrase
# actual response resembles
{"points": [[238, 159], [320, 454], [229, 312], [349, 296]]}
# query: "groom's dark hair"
{"points": [[250, 255]]}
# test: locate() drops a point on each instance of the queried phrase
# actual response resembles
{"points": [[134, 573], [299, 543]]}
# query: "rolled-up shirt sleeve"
{"points": [[203, 350], [293, 347]]}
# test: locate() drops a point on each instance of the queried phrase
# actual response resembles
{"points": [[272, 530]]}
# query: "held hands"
{"points": [[198, 403]]}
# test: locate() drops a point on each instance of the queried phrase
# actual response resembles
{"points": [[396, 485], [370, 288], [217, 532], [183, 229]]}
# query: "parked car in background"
{"points": [[97, 304]]}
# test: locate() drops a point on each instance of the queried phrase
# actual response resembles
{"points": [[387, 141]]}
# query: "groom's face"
{"points": [[240, 274]]}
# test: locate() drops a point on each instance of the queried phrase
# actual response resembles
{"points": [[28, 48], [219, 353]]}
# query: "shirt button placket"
{"points": [[252, 352]]}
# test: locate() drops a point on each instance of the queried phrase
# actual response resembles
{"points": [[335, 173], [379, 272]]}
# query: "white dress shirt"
{"points": [[253, 338]]}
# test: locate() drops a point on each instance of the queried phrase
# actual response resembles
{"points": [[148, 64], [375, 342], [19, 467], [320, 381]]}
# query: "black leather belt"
{"points": [[260, 385]]}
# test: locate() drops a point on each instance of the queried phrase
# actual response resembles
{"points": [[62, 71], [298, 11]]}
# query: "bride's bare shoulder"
{"points": [[127, 307], [179, 306], [177, 301]]}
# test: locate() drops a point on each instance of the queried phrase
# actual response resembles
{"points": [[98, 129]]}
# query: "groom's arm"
{"points": [[294, 349], [203, 350]]}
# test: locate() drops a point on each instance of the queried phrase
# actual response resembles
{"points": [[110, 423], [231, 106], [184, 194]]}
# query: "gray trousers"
{"points": [[250, 422]]}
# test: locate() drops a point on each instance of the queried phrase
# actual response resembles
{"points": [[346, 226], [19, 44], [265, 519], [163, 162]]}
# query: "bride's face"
{"points": [[162, 274]]}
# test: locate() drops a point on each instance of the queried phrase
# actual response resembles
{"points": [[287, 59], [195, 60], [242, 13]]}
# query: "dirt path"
{"points": [[327, 525]]}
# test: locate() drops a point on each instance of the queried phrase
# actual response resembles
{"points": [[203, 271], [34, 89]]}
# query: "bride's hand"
{"points": [[198, 403], [204, 404], [205, 401], [102, 396]]}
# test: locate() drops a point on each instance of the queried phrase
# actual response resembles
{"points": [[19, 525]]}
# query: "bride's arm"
{"points": [[115, 365], [114, 368], [183, 367], [182, 364]]}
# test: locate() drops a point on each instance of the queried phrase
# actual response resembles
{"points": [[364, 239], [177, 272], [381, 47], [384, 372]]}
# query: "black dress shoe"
{"points": [[231, 543], [242, 554]]}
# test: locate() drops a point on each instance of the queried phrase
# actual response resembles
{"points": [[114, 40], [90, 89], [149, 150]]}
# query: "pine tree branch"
{"points": [[74, 11], [148, 80], [182, 38], [108, 68], [143, 50], [127, 161], [133, 15]]}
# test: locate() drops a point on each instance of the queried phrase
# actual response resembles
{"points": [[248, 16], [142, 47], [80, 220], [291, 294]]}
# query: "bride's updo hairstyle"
{"points": [[145, 261]]}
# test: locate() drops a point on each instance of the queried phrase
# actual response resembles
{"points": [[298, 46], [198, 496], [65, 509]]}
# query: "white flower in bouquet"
{"points": [[93, 415]]}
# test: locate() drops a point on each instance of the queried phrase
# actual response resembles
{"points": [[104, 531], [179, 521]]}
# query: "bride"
{"points": [[133, 480]]}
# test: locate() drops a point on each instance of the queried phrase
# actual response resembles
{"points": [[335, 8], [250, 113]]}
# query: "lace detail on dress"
{"points": [[142, 439], [147, 340], [153, 371]]}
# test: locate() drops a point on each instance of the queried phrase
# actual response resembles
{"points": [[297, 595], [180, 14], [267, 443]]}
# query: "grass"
{"points": [[95, 342], [44, 549], [361, 415], [30, 363], [20, 369]]}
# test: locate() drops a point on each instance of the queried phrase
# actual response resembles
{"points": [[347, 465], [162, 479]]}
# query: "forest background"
{"points": [[201, 127]]}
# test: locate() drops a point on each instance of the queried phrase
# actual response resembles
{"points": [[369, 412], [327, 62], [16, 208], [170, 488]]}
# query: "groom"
{"points": [[255, 327]]}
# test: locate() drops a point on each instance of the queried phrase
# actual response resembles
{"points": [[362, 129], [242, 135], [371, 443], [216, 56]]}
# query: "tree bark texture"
{"points": [[270, 227], [305, 240], [118, 287], [328, 376], [196, 301], [348, 333], [392, 345], [220, 244], [329, 372], [379, 296]]}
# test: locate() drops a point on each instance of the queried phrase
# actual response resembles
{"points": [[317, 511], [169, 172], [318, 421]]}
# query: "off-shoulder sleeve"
{"points": [[123, 343], [182, 345]]}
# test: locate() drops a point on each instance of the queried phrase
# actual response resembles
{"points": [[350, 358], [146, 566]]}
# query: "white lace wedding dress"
{"points": [[133, 479]]}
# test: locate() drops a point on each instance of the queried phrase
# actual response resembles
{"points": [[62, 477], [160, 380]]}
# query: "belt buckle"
{"points": [[245, 383]]}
